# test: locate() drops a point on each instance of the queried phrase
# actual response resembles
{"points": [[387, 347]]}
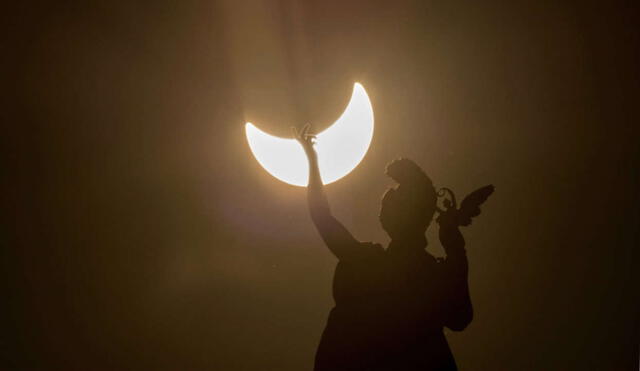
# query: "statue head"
{"points": [[408, 208]]}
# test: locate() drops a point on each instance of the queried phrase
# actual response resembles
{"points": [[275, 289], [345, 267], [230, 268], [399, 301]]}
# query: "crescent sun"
{"points": [[340, 147]]}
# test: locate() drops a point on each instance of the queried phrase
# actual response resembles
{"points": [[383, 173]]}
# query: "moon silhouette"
{"points": [[340, 147]]}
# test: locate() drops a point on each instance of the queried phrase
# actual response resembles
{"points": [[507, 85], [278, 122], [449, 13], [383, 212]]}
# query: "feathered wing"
{"points": [[470, 206]]}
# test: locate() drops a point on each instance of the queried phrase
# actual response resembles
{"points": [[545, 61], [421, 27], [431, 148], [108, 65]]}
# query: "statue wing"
{"points": [[470, 206]]}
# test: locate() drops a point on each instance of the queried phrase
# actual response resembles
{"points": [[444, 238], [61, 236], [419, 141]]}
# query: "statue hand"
{"points": [[306, 139]]}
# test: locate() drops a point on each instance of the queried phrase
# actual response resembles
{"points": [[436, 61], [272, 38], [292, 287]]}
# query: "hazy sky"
{"points": [[142, 234]]}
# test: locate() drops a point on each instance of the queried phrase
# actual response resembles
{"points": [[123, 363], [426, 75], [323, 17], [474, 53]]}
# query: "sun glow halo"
{"points": [[340, 147]]}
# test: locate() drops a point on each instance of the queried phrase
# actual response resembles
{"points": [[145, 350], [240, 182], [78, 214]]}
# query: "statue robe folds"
{"points": [[390, 310]]}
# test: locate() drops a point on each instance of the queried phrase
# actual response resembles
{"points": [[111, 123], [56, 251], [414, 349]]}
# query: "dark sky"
{"points": [[140, 233]]}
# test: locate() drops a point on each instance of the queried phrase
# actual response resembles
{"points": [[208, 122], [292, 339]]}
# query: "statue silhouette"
{"points": [[391, 305]]}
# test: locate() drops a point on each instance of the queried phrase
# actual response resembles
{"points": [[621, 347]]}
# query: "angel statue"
{"points": [[392, 304]]}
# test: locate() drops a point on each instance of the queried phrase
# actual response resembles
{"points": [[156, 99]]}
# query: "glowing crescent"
{"points": [[340, 147]]}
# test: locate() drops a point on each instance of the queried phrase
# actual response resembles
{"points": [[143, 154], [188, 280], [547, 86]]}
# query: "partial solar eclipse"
{"points": [[340, 147]]}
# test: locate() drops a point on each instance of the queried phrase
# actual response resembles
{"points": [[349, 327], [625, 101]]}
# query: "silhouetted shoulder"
{"points": [[372, 247], [364, 251]]}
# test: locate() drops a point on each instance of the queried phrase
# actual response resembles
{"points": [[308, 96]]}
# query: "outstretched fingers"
{"points": [[308, 136], [303, 135]]}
